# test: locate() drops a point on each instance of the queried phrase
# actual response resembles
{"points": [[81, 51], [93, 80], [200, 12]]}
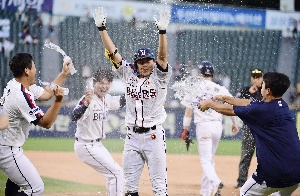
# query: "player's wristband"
{"points": [[102, 28], [187, 121], [162, 31]]}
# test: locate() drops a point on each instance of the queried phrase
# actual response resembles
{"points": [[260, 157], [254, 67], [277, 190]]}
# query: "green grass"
{"points": [[174, 146], [59, 186]]}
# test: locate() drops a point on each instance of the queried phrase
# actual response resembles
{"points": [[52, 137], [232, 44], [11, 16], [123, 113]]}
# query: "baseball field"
{"points": [[63, 174]]}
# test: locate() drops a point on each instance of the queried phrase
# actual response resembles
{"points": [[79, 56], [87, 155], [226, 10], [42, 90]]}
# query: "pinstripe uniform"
{"points": [[22, 110], [145, 99], [89, 133]]}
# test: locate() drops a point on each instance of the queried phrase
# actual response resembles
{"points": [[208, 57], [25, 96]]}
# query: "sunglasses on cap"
{"points": [[256, 71]]}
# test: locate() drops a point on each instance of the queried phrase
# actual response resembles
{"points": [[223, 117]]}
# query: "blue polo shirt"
{"points": [[276, 140]]}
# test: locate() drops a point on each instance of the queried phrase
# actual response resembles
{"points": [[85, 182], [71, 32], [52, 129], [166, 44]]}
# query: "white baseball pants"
{"points": [[97, 156], [208, 136], [20, 170], [147, 147]]}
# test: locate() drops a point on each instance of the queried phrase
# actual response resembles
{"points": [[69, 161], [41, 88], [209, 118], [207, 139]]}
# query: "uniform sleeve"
{"points": [[163, 75], [125, 69], [79, 110], [28, 108], [250, 114], [36, 90]]}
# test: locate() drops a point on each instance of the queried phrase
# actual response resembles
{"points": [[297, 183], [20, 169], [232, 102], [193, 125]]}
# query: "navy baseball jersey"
{"points": [[276, 140]]}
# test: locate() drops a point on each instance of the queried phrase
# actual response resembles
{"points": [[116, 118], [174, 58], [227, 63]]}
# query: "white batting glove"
{"points": [[163, 21], [100, 17]]}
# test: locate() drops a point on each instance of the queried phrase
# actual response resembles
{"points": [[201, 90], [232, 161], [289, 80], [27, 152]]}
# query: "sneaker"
{"points": [[239, 185], [216, 189]]}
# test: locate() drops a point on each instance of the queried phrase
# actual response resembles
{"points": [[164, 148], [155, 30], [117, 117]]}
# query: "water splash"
{"points": [[66, 57], [192, 87]]}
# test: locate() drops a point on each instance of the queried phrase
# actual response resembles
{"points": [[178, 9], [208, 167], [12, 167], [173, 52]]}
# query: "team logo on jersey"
{"points": [[34, 111], [142, 94], [100, 116]]}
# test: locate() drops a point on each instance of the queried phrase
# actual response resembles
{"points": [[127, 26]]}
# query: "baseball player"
{"points": [[275, 133], [13, 162], [91, 113], [208, 129], [146, 83], [250, 92], [41, 94]]}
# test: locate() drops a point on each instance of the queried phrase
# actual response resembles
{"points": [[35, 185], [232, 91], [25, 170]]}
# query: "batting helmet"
{"points": [[206, 68], [143, 53]]}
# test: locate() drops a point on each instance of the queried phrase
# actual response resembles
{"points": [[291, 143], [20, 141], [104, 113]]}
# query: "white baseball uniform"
{"points": [[89, 133], [208, 133], [145, 99], [22, 111]]}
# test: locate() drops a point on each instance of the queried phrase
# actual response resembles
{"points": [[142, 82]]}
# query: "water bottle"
{"points": [[89, 85]]}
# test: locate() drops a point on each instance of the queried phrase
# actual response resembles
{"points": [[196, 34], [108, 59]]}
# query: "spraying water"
{"points": [[66, 57]]}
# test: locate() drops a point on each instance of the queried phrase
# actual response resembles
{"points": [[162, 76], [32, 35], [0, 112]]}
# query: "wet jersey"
{"points": [[145, 97], [90, 122], [276, 140], [22, 110], [211, 89]]}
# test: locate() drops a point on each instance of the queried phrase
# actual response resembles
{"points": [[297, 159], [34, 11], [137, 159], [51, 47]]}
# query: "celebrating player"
{"points": [[19, 103], [90, 114], [208, 129], [146, 83], [275, 134], [248, 146]]}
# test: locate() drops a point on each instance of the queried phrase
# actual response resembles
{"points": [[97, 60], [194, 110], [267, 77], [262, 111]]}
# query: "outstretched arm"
{"points": [[162, 25], [231, 100], [225, 109], [100, 21]]}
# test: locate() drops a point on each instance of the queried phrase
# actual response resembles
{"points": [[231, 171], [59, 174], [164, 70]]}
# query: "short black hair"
{"points": [[19, 62], [102, 73], [277, 82]]}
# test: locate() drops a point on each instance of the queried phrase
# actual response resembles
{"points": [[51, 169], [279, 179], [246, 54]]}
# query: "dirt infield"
{"points": [[184, 172]]}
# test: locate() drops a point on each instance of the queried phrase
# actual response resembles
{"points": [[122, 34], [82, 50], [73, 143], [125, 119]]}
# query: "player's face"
{"points": [[145, 66], [257, 81], [101, 88], [31, 74]]}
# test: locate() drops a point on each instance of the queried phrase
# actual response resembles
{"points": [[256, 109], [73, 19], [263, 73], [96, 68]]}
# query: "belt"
{"points": [[82, 140], [142, 129]]}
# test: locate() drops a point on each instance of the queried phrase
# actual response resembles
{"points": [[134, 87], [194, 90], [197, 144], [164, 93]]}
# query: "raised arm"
{"points": [[162, 25], [232, 100], [59, 80], [111, 50], [225, 109]]}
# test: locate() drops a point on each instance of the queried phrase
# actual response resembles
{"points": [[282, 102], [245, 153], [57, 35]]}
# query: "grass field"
{"points": [[174, 146]]}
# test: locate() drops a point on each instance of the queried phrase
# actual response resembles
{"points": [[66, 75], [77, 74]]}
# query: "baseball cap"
{"points": [[256, 73]]}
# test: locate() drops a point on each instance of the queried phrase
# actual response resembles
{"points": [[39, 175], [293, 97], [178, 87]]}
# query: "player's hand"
{"points": [[234, 129], [88, 97], [65, 70], [58, 93], [99, 17], [184, 134], [163, 21], [253, 89], [219, 98], [204, 105]]}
